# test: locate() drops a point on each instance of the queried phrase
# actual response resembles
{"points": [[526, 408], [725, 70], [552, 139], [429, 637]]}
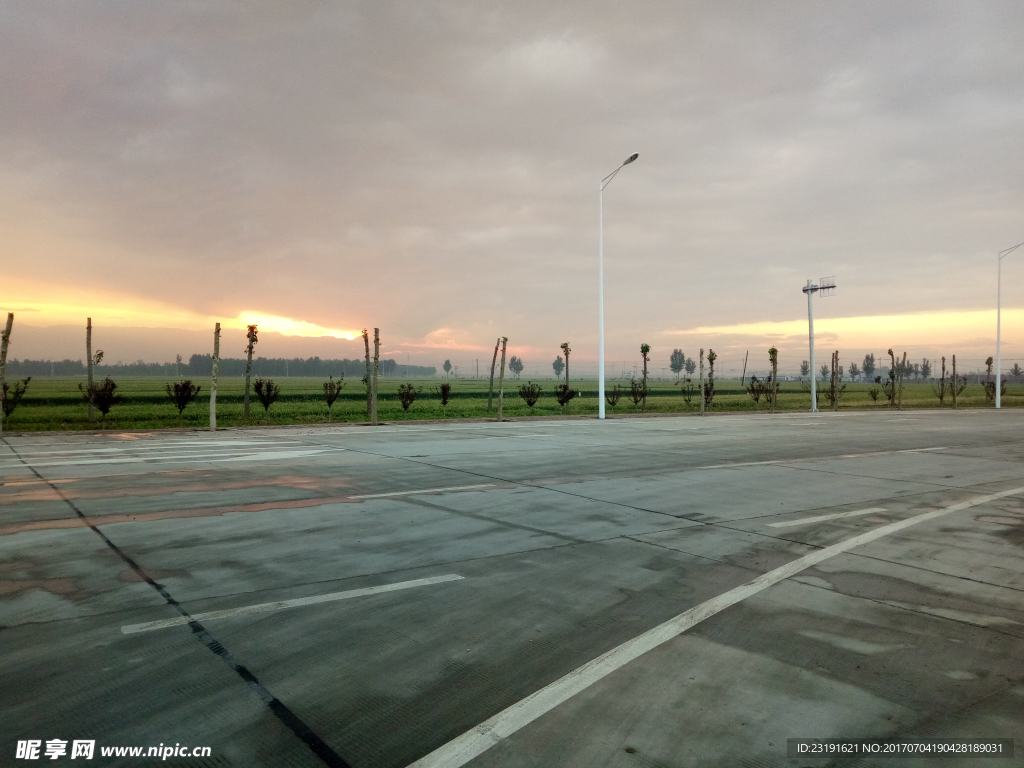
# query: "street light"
{"points": [[999, 320], [827, 287], [600, 279]]}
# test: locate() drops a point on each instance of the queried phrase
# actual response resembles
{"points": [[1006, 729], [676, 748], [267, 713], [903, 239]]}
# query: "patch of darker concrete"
{"points": [[173, 514], [60, 587]]}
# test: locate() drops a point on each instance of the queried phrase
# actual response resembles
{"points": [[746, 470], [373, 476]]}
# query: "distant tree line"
{"points": [[202, 365]]}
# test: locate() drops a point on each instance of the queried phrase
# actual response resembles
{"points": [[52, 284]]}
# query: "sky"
{"points": [[432, 169]]}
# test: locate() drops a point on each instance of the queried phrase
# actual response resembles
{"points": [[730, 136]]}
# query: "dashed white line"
{"points": [[489, 733], [148, 626], [820, 518]]}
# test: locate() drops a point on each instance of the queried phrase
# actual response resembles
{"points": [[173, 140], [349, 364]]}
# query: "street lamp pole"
{"points": [[600, 280], [999, 320], [827, 286]]}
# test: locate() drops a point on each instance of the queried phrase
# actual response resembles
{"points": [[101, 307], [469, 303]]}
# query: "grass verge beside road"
{"points": [[55, 403]]}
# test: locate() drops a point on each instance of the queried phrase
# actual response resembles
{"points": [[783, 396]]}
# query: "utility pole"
{"points": [[827, 287]]}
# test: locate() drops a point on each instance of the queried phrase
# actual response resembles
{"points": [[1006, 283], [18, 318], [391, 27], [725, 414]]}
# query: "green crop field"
{"points": [[55, 403]]}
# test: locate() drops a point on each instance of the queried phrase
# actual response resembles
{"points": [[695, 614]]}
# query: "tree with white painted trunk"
{"points": [[213, 379], [501, 377], [5, 341], [251, 334], [490, 387]]}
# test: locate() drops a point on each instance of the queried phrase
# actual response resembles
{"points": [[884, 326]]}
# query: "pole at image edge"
{"points": [[999, 328], [600, 300], [600, 280]]}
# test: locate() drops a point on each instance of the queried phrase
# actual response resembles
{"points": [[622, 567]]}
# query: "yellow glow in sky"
{"points": [[920, 328], [36, 306]]}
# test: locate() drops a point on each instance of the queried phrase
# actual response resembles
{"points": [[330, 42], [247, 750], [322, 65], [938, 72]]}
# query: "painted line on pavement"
{"points": [[489, 733], [162, 446], [422, 490], [820, 518], [819, 458], [249, 454], [279, 605]]}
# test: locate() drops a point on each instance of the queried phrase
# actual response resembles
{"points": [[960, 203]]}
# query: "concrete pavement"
{"points": [[571, 538]]}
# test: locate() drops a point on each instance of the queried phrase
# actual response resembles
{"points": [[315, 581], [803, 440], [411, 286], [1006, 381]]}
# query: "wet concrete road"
{"points": [[515, 554]]}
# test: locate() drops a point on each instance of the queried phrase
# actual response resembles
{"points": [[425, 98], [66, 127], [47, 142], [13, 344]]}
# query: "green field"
{"points": [[54, 403]]}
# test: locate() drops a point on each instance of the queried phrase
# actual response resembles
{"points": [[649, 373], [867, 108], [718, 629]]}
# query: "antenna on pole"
{"points": [[827, 287]]}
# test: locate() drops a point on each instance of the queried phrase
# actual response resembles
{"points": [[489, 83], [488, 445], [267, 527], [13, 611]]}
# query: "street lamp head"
{"points": [[631, 158]]}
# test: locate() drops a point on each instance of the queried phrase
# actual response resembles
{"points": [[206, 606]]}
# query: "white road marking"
{"points": [[187, 457], [158, 446], [475, 742], [148, 626], [421, 490], [819, 518], [820, 458]]}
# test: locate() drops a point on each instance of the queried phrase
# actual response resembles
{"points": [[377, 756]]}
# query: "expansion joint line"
{"points": [[288, 718]]}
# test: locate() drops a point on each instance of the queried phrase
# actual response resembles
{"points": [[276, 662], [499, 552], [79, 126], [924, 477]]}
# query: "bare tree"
{"points": [[88, 362], [501, 377], [5, 342], [743, 377], [252, 335], [836, 387], [941, 388], [990, 383], [645, 353], [213, 379], [376, 371], [494, 360], [773, 358], [709, 386], [701, 389], [565, 351], [638, 393], [613, 397], [368, 376]]}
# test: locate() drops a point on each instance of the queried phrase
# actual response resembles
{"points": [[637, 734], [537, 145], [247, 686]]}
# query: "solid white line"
{"points": [[819, 458], [249, 454], [473, 743], [159, 446], [281, 604], [819, 518], [422, 490]]}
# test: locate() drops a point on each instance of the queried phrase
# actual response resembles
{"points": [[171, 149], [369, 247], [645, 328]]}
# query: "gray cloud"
{"points": [[434, 165]]}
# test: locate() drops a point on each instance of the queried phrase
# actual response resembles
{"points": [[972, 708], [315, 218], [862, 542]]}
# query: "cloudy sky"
{"points": [[432, 169]]}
